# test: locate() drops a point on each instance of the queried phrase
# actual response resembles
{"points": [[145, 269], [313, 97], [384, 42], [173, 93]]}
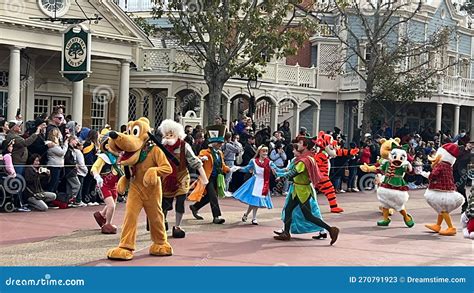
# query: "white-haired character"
{"points": [[176, 185]]}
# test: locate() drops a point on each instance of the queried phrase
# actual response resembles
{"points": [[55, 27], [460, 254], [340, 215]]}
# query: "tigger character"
{"points": [[326, 150]]}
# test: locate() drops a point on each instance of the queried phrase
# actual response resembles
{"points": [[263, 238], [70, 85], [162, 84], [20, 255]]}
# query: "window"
{"points": [[46, 104], [41, 106], [452, 67], [98, 112], [132, 103], [415, 60], [146, 107], [158, 110], [464, 68], [55, 8], [367, 52], [3, 103]]}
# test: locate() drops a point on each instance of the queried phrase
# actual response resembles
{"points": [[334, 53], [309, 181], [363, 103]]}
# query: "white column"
{"points": [[201, 111], [227, 111], [340, 115], [30, 88], [472, 123], [316, 120], [78, 101], [124, 92], [13, 83], [274, 117], [439, 113], [360, 113], [457, 110], [170, 108], [296, 119]]}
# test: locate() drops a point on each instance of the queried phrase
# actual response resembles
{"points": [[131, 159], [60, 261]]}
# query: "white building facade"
{"points": [[134, 76], [30, 61], [301, 89]]}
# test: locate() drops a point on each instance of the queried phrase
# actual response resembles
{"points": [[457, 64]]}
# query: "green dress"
{"points": [[394, 176]]}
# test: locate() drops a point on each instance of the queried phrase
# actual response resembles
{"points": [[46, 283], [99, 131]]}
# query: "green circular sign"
{"points": [[75, 52]]}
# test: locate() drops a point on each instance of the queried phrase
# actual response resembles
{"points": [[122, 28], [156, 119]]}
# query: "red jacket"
{"points": [[441, 177], [365, 156]]}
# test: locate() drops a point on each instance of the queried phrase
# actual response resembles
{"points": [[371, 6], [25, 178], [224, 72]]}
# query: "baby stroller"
{"points": [[6, 199]]}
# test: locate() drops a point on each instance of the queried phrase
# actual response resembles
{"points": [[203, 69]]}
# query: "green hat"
{"points": [[215, 133]]}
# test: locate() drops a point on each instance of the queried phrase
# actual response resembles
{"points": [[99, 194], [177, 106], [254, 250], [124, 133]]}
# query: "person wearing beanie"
{"points": [[441, 194]]}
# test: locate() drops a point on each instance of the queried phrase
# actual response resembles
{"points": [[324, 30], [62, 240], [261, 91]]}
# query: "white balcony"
{"points": [[165, 60], [137, 5], [447, 85]]}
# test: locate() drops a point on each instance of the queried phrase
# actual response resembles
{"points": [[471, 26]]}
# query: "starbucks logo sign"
{"points": [[76, 50]]}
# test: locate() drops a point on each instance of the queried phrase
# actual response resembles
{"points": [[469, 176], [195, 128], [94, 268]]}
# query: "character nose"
{"points": [[113, 135]]}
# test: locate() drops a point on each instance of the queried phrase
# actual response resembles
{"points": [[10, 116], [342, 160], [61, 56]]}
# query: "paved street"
{"points": [[71, 237]]}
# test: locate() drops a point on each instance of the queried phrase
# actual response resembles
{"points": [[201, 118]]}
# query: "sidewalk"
{"points": [[71, 237]]}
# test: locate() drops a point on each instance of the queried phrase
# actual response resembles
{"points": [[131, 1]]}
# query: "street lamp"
{"points": [[252, 83]]}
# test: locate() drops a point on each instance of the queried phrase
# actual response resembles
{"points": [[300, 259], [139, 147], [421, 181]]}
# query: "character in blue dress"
{"points": [[256, 191], [299, 225]]}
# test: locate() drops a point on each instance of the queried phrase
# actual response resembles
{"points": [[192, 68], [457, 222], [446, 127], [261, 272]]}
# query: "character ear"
{"points": [[397, 140], [382, 140], [144, 120]]}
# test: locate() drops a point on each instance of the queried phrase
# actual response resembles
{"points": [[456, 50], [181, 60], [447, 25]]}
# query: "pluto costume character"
{"points": [[441, 194], [147, 164]]}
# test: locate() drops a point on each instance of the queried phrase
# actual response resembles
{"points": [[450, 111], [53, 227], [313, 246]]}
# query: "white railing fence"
{"points": [[168, 60], [450, 85]]}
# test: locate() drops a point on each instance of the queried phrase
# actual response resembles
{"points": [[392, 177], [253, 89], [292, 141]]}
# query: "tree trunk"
{"points": [[366, 121], [215, 86]]}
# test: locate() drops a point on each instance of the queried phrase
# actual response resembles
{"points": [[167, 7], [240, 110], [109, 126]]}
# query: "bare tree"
{"points": [[229, 38], [378, 45]]}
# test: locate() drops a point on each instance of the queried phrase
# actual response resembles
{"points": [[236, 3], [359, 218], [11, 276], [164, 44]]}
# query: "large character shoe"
{"points": [[410, 223], [99, 219], [161, 250], [433, 227], [337, 210], [178, 232], [448, 232], [109, 229], [119, 253], [384, 222], [284, 236]]}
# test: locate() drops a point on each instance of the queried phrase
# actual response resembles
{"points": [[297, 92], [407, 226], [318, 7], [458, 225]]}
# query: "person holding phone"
{"points": [[34, 173]]}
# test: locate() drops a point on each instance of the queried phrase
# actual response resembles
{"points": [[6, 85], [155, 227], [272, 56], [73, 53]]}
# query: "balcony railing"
{"points": [[168, 60], [136, 5], [327, 30], [448, 85]]}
